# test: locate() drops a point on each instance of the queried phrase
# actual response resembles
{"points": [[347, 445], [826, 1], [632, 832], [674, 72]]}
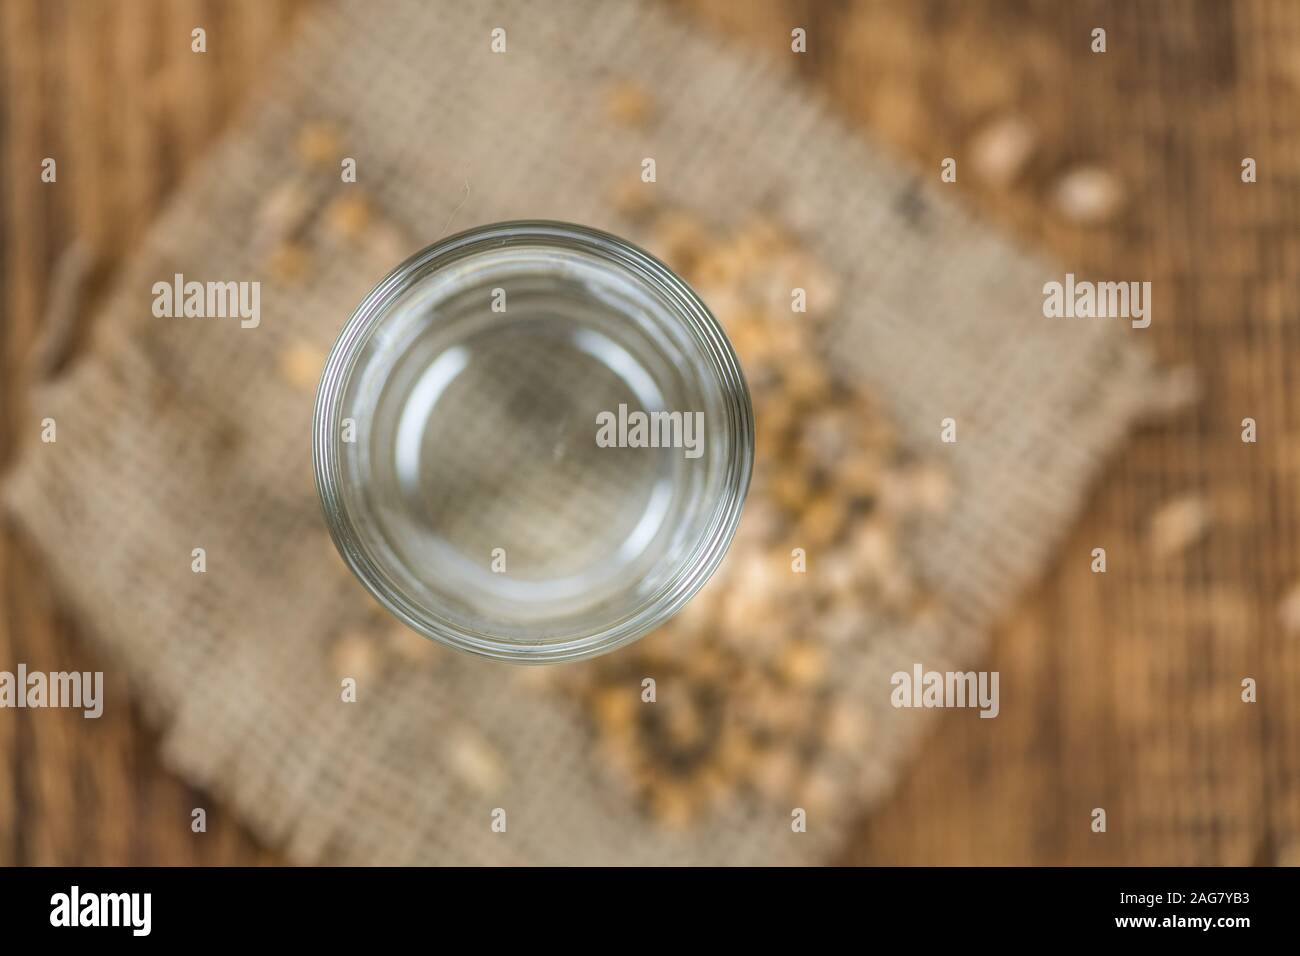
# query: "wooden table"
{"points": [[1119, 690]]}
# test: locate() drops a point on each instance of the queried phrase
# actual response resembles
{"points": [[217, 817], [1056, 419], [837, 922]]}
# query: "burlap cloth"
{"points": [[175, 434]]}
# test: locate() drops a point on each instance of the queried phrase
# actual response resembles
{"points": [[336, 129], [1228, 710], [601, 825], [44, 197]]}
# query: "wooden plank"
{"points": [[1119, 690]]}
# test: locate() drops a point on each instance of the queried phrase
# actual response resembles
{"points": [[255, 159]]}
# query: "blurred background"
{"points": [[1124, 164]]}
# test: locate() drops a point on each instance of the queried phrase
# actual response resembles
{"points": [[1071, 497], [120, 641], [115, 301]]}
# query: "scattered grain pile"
{"points": [[744, 702]]}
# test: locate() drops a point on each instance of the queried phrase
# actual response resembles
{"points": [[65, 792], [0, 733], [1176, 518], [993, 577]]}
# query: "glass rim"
{"points": [[683, 303]]}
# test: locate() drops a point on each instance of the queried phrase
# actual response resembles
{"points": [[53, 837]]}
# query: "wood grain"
{"points": [[1119, 690]]}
